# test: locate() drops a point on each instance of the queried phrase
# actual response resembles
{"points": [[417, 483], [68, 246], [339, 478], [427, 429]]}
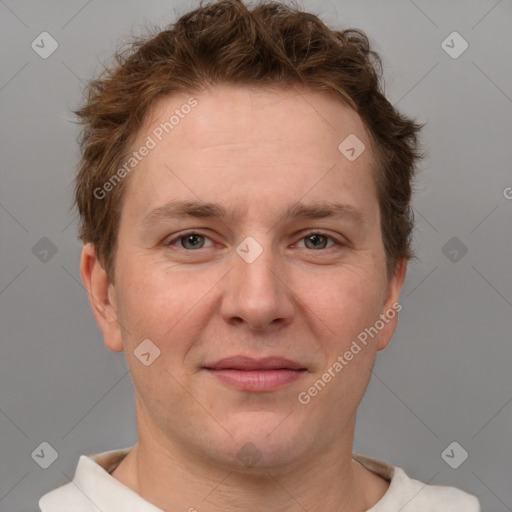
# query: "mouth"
{"points": [[256, 375]]}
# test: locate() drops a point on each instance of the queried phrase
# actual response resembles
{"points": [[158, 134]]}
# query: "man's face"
{"points": [[201, 291]]}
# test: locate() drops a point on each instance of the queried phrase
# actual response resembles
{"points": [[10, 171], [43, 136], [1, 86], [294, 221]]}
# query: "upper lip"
{"points": [[251, 364]]}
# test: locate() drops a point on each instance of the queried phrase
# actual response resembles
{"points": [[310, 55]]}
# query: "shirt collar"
{"points": [[93, 478]]}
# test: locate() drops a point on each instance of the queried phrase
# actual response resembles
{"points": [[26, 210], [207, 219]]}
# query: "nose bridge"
{"points": [[256, 292], [259, 276], [256, 271]]}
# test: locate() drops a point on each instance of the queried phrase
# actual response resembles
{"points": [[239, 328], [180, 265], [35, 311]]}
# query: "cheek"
{"points": [[347, 300], [348, 305], [163, 305], [165, 309]]}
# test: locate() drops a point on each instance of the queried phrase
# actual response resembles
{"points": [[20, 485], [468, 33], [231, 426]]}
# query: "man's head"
{"points": [[226, 43], [266, 220]]}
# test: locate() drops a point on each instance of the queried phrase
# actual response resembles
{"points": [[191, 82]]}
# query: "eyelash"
{"points": [[321, 233]]}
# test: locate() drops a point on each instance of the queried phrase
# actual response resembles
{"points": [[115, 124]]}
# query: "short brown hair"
{"points": [[226, 42]]}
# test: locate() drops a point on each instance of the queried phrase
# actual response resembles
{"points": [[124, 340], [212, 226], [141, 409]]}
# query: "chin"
{"points": [[263, 442]]}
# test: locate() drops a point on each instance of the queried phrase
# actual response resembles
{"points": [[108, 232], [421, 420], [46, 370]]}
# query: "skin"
{"points": [[254, 151]]}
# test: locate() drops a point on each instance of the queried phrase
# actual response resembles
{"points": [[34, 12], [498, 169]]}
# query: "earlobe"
{"points": [[102, 297], [392, 305]]}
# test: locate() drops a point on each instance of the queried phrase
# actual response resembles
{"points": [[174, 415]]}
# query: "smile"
{"points": [[256, 375]]}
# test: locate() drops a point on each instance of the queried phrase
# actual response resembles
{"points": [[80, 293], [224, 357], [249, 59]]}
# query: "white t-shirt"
{"points": [[93, 489]]}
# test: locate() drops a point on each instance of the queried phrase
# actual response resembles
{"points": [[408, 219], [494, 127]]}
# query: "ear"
{"points": [[102, 297], [391, 307]]}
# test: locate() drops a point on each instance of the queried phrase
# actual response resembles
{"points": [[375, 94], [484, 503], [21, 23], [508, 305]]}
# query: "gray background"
{"points": [[445, 377]]}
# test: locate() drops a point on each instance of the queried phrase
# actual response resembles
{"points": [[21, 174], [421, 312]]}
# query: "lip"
{"points": [[251, 364], [256, 375]]}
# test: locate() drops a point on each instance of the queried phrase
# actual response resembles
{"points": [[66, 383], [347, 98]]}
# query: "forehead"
{"points": [[228, 114], [236, 141]]}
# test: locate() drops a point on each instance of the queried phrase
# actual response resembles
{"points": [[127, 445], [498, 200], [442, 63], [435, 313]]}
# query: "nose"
{"points": [[257, 294]]}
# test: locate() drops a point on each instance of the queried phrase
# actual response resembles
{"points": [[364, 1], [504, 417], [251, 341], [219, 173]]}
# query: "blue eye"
{"points": [[194, 240], [189, 241], [318, 240]]}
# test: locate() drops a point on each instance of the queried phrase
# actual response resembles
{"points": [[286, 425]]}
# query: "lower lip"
{"points": [[257, 380]]}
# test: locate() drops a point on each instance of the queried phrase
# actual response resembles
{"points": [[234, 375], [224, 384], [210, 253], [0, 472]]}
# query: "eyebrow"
{"points": [[197, 209]]}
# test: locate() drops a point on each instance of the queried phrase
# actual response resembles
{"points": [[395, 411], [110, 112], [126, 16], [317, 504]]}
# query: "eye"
{"points": [[318, 240], [193, 240], [189, 241]]}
